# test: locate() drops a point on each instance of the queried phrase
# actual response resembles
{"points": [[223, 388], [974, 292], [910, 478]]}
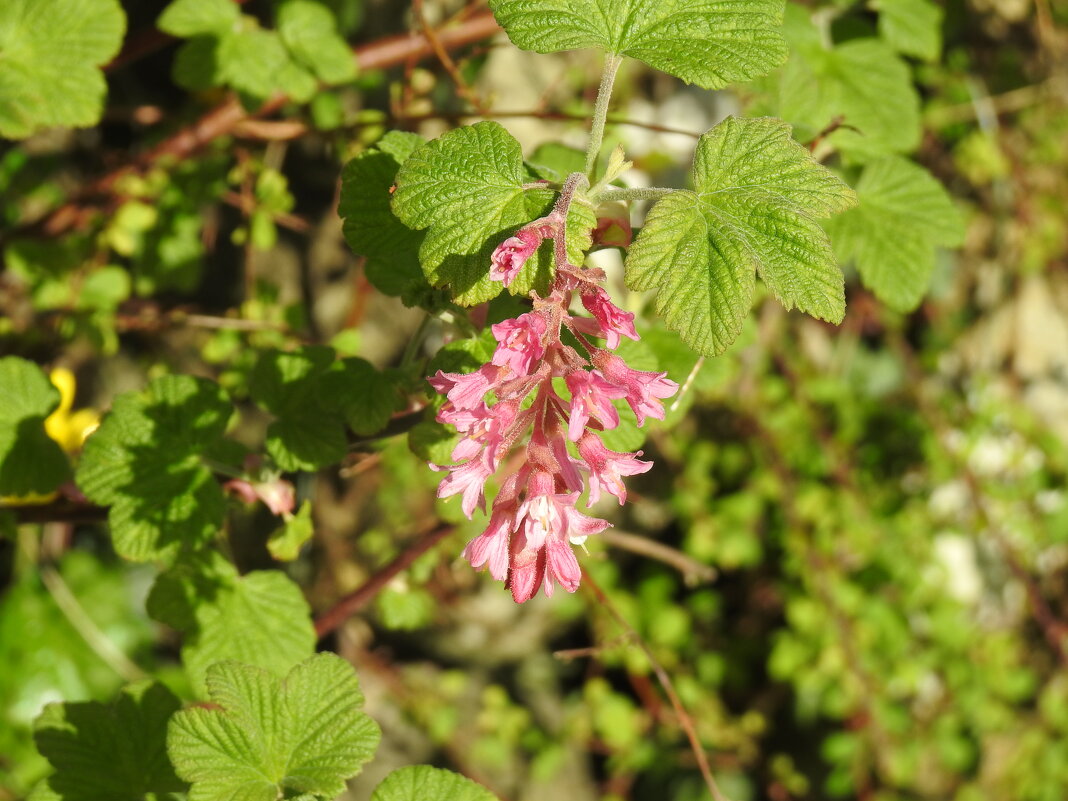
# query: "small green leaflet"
{"points": [[861, 83], [903, 216], [145, 463], [30, 461], [285, 543], [309, 31], [707, 42], [115, 751], [466, 188], [50, 54], [424, 783], [756, 196], [371, 229], [266, 739], [912, 27], [192, 17]]}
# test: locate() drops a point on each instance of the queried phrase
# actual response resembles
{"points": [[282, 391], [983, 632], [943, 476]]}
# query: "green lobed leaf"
{"points": [[266, 739], [756, 196], [862, 84], [145, 463], [285, 543], [912, 27], [50, 54], [707, 42], [187, 18], [115, 751], [309, 432], [904, 215], [466, 189], [30, 461], [424, 783], [371, 229], [259, 619], [366, 396], [309, 32]]}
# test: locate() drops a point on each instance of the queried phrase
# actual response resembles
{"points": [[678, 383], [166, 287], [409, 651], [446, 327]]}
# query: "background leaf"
{"points": [[904, 214], [114, 751], [424, 783], [30, 461], [50, 53]]}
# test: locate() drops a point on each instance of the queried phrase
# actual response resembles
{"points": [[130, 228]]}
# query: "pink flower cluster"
{"points": [[534, 520]]}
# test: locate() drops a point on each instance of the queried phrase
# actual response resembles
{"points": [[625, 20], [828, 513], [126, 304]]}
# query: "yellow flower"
{"points": [[68, 428]]}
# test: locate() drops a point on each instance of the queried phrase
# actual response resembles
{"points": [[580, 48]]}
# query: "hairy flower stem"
{"points": [[648, 193], [600, 112], [560, 212]]}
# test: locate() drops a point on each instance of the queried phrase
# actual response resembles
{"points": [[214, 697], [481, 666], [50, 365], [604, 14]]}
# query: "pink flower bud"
{"points": [[510, 256]]}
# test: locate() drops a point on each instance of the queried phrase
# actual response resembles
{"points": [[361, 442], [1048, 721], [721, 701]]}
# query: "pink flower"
{"points": [[468, 479], [490, 548], [466, 390], [546, 522], [510, 256], [611, 321], [607, 468], [591, 396], [643, 389], [519, 342]]}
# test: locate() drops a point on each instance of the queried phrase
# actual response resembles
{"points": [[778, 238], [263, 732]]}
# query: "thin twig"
{"points": [[87, 629], [693, 572], [350, 604], [669, 688], [462, 87]]}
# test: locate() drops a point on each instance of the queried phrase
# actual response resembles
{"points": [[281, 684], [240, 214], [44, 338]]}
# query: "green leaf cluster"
{"points": [[904, 214], [471, 190], [314, 396], [391, 248], [228, 48], [50, 57]]}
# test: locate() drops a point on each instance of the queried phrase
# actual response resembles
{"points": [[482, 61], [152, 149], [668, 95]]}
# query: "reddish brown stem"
{"points": [[350, 604], [223, 119]]}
